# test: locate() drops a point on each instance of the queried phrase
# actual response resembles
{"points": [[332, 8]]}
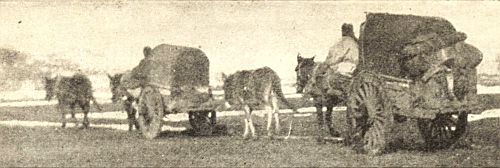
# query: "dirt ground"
{"points": [[71, 147]]}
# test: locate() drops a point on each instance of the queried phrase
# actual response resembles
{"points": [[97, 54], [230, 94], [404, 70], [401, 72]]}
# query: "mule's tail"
{"points": [[276, 85], [96, 104]]}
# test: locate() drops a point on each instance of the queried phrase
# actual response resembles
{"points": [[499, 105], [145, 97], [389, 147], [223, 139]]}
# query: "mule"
{"points": [[70, 92], [251, 89], [127, 99], [319, 90]]}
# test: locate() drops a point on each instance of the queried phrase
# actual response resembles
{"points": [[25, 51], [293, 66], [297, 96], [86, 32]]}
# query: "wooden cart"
{"points": [[174, 79], [411, 67]]}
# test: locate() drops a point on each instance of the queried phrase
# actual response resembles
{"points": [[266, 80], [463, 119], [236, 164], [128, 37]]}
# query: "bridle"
{"points": [[302, 81]]}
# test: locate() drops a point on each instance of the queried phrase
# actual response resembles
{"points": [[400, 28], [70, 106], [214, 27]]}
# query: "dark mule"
{"points": [[306, 70], [251, 89], [70, 92], [118, 92]]}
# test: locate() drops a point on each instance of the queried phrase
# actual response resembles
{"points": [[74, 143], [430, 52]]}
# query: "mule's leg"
{"points": [[275, 111], [332, 101], [277, 121], [269, 111], [320, 117], [328, 121], [132, 122], [250, 122], [246, 121], [319, 112], [73, 117], [134, 107], [267, 98], [86, 108], [130, 114], [62, 109]]}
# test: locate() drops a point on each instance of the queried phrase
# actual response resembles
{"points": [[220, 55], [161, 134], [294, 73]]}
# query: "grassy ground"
{"points": [[53, 146]]}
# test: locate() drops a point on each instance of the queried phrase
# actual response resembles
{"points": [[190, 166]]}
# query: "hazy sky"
{"points": [[234, 35]]}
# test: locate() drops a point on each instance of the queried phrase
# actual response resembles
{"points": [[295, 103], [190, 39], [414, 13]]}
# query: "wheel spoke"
{"points": [[379, 119], [369, 92], [373, 138], [442, 132], [354, 106], [359, 96], [362, 94], [434, 130], [378, 128]]}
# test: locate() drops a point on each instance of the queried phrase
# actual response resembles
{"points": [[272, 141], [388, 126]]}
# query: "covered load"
{"points": [[412, 44], [170, 67]]}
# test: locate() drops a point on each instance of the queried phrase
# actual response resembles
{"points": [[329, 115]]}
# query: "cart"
{"points": [[411, 68], [174, 79]]}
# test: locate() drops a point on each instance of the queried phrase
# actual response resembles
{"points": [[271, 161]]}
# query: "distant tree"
{"points": [[13, 67], [10, 57]]}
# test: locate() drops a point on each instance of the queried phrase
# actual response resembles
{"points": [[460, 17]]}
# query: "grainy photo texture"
{"points": [[249, 83]]}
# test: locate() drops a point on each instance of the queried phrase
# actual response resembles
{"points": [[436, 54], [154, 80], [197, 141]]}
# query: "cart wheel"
{"points": [[368, 120], [202, 122], [150, 112], [444, 130]]}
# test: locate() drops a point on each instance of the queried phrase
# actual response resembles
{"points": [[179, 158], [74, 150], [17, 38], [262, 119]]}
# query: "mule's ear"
{"points": [[109, 76], [224, 76], [299, 57], [147, 51], [313, 57]]}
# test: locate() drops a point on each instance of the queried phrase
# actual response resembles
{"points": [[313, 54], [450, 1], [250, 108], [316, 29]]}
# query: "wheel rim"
{"points": [[150, 113], [444, 130], [367, 119], [201, 123]]}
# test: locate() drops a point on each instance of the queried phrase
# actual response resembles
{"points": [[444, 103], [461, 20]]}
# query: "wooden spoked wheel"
{"points": [[368, 119], [202, 122], [444, 130], [150, 112]]}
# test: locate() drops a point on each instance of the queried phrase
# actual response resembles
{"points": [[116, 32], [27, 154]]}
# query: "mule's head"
{"points": [[304, 71], [229, 87], [50, 85], [117, 90]]}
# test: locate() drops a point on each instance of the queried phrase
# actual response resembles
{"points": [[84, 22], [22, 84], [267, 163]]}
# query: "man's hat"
{"points": [[347, 29]]}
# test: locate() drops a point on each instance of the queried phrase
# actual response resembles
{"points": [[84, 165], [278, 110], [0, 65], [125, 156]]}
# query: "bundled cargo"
{"points": [[457, 56], [168, 66], [386, 36], [432, 42]]}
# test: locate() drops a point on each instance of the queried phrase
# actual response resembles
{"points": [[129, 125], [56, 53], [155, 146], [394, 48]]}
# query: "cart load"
{"points": [[168, 66], [410, 43]]}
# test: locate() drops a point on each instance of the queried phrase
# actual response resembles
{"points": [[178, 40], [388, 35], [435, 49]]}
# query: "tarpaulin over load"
{"points": [[171, 66], [384, 38]]}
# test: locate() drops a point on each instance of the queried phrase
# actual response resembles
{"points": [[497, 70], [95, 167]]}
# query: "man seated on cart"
{"points": [[341, 61]]}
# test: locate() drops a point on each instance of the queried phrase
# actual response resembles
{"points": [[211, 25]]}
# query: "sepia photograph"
{"points": [[312, 83]]}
